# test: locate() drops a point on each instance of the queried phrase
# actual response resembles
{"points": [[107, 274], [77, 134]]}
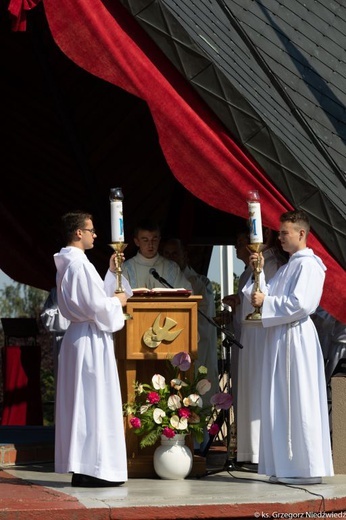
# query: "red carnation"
{"points": [[153, 398], [184, 412], [135, 422], [168, 432]]}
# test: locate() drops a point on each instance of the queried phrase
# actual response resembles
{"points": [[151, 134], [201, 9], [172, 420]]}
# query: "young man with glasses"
{"points": [[89, 430]]}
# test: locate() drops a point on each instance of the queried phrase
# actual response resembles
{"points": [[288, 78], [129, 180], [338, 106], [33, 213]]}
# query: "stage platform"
{"points": [[34, 492]]}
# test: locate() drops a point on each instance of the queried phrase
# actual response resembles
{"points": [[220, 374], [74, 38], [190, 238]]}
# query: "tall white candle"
{"points": [[255, 218], [117, 220]]}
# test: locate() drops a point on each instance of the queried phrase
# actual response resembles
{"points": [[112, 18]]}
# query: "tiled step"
{"points": [[13, 454], [26, 444]]}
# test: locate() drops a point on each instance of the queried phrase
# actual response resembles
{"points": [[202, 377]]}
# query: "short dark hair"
{"points": [[146, 224], [72, 221], [298, 217]]}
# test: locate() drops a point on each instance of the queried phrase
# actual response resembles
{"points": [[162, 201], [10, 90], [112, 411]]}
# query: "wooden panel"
{"points": [[138, 362], [144, 312], [338, 424]]}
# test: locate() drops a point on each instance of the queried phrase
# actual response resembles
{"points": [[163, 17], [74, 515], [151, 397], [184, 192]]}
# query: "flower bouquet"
{"points": [[175, 407]]}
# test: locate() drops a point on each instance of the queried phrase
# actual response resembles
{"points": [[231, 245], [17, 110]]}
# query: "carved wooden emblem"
{"points": [[155, 334]]}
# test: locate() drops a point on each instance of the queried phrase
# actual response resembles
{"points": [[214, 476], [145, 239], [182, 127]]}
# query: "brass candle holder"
{"points": [[118, 247], [256, 248]]}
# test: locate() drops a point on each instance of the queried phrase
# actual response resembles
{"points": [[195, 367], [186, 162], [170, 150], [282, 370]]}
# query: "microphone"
{"points": [[156, 275]]}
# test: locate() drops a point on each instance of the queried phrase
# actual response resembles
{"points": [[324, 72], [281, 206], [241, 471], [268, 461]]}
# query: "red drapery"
{"points": [[18, 10], [22, 392], [102, 38]]}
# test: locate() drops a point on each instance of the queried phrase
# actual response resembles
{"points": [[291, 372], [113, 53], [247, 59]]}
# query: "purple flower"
{"points": [[182, 360], [203, 386], [221, 401]]}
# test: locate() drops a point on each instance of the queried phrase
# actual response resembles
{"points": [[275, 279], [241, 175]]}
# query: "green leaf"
{"points": [[151, 438]]}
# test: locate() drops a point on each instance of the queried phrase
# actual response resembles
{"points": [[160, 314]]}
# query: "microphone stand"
{"points": [[223, 416]]}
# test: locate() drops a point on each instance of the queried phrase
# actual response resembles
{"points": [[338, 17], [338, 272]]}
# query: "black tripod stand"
{"points": [[223, 417]]}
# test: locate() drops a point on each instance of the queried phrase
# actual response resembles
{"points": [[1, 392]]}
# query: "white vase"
{"points": [[173, 459]]}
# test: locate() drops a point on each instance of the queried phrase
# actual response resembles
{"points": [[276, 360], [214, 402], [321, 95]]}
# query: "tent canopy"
{"points": [[274, 74], [92, 102]]}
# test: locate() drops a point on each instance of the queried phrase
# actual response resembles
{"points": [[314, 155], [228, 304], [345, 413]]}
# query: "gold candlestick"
{"points": [[118, 247], [256, 248]]}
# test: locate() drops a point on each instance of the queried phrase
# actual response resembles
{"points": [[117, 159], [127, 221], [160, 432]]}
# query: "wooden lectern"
{"points": [[159, 325]]}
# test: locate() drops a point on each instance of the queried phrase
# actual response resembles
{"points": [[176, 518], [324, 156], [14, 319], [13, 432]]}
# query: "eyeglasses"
{"points": [[92, 230]]}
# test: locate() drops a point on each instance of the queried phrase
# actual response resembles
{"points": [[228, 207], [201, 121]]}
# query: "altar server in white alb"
{"points": [[89, 431], [294, 437], [138, 269], [250, 362]]}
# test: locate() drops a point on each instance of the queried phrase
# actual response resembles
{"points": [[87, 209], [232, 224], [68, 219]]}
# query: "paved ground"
{"points": [[35, 492]]}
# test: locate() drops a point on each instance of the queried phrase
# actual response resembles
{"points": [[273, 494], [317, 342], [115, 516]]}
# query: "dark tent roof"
{"points": [[68, 136], [275, 76]]}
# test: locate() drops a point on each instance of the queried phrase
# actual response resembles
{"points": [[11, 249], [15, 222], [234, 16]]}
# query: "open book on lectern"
{"points": [[160, 291]]}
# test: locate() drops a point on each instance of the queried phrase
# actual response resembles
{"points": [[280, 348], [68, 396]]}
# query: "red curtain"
{"points": [[18, 10], [21, 382], [104, 39]]}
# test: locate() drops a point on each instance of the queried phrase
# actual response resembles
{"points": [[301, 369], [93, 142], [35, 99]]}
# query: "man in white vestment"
{"points": [[173, 249], [137, 269], [295, 443], [89, 431], [250, 362]]}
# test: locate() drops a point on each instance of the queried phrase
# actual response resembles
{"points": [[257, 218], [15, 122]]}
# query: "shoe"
{"points": [[296, 481], [80, 480]]}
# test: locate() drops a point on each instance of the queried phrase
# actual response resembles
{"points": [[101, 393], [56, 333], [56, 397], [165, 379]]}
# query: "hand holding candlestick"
{"points": [[257, 299], [115, 264]]}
